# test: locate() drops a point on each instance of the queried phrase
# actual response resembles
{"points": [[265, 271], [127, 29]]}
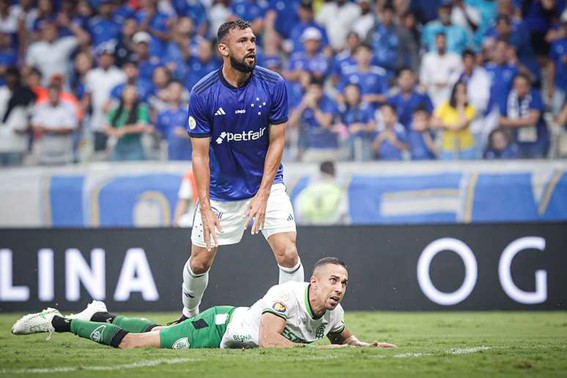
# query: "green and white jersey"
{"points": [[289, 301]]}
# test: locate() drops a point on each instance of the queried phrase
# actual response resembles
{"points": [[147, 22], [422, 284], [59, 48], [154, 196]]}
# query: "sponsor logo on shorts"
{"points": [[279, 307], [96, 335], [182, 343]]}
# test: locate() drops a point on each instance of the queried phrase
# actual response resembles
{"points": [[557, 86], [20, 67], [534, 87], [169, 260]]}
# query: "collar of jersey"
{"points": [[308, 305], [230, 86]]}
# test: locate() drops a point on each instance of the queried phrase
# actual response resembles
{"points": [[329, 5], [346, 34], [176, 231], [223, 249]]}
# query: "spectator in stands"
{"points": [[252, 11], [437, 69], [421, 139], [540, 15], [204, 62], [146, 63], [83, 64], [26, 13], [372, 80], [309, 61], [124, 49], [522, 114], [158, 99], [154, 23], [132, 73], [186, 201], [392, 45], [180, 47], [557, 69], [454, 117], [126, 124], [32, 79], [15, 102], [53, 123], [45, 14], [467, 16], [306, 20], [194, 10], [315, 117], [502, 72], [8, 54], [478, 83], [358, 118], [51, 54], [518, 38], [407, 97], [391, 139], [171, 123], [367, 19], [103, 28], [499, 146], [345, 58], [323, 201], [457, 39], [337, 17], [218, 13], [99, 83]]}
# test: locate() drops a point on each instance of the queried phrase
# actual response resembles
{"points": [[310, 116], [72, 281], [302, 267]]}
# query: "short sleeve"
{"points": [[198, 124], [338, 320], [143, 115], [279, 111], [110, 116], [278, 301]]}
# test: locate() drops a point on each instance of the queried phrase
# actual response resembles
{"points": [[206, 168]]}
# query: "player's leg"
{"points": [[196, 278], [196, 269], [280, 232]]}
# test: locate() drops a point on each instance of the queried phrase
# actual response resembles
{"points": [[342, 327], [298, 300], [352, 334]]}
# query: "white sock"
{"points": [[291, 274], [194, 286]]}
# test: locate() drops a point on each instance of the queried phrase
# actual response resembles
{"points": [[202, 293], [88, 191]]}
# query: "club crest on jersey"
{"points": [[96, 335], [192, 123], [182, 343], [279, 307]]}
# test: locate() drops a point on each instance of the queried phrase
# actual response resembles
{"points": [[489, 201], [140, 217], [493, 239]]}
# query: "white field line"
{"points": [[133, 365]]}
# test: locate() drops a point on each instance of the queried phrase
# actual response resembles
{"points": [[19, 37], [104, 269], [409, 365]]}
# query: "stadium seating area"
{"points": [[367, 79]]}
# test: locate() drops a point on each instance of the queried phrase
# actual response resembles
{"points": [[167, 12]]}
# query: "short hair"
{"points": [[389, 105], [524, 76], [404, 69], [363, 45], [468, 52], [225, 28], [327, 167], [329, 260]]}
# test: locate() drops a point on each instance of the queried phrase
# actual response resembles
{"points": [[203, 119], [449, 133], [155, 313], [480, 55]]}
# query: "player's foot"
{"points": [[87, 313], [36, 323]]}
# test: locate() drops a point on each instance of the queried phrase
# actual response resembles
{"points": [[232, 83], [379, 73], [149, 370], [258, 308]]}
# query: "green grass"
{"points": [[429, 344]]}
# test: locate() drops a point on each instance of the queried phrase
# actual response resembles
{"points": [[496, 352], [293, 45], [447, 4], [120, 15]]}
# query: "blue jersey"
{"points": [[406, 105], [372, 82], [178, 148], [237, 121]]}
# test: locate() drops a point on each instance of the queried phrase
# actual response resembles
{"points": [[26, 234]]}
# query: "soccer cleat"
{"points": [[87, 313], [36, 323], [181, 319]]}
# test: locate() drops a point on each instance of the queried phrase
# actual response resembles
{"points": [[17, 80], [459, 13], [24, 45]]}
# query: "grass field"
{"points": [[429, 344]]}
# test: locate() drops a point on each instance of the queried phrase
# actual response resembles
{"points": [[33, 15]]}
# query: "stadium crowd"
{"points": [[91, 80]]}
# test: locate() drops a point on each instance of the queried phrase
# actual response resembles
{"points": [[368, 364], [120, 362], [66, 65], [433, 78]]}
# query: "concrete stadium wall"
{"points": [[144, 194], [434, 267]]}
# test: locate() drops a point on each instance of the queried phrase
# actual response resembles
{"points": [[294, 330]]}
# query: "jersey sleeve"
{"points": [[537, 102], [278, 301], [279, 112], [198, 124], [338, 320]]}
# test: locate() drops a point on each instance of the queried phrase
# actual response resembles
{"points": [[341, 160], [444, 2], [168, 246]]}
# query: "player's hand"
{"points": [[211, 223], [256, 210], [383, 345]]}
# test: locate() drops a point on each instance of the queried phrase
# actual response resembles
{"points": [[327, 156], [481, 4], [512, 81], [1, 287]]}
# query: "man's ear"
{"points": [[313, 280], [223, 49]]}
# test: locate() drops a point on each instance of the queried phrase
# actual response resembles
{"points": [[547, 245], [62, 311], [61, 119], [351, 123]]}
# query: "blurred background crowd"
{"points": [[92, 80]]}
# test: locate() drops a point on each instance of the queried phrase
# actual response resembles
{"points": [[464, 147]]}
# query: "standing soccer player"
{"points": [[237, 119]]}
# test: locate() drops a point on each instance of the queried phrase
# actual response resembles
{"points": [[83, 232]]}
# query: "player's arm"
{"points": [[345, 337], [257, 207], [271, 329], [202, 174]]}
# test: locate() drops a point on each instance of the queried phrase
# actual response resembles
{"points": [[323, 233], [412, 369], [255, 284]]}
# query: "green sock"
{"points": [[102, 333], [134, 325]]}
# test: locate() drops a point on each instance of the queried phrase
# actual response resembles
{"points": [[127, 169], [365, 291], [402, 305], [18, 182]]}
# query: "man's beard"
{"points": [[242, 66]]}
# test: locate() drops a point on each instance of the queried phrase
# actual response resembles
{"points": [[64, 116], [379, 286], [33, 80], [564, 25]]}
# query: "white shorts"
{"points": [[279, 218]]}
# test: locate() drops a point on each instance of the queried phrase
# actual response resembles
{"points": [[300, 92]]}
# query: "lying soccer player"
{"points": [[289, 315]]}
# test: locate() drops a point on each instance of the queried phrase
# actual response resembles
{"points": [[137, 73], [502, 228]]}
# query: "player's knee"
{"points": [[200, 266], [289, 258]]}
